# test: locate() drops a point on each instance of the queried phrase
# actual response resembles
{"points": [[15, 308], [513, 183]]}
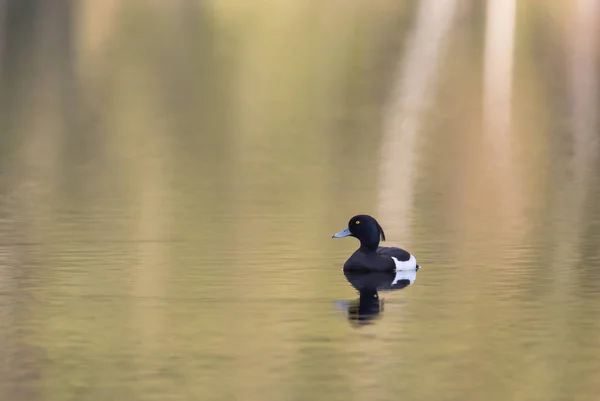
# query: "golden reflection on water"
{"points": [[171, 174]]}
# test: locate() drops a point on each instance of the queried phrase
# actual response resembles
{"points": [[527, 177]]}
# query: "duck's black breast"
{"points": [[370, 261]]}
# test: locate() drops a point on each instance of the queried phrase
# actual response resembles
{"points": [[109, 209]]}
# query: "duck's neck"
{"points": [[367, 247]]}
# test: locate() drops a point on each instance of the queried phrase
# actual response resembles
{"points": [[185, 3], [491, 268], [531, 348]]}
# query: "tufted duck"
{"points": [[370, 256]]}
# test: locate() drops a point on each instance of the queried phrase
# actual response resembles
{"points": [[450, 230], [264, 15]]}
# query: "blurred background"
{"points": [[171, 173]]}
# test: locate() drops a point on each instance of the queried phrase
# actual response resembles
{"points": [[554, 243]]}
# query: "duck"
{"points": [[370, 257]]}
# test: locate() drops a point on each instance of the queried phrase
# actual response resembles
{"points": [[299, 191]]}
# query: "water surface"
{"points": [[171, 176]]}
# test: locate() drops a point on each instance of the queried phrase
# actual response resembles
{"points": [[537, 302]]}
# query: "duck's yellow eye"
{"points": [[357, 222]]}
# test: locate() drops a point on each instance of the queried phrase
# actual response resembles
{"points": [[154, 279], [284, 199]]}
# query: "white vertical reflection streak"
{"points": [[499, 46], [412, 91], [506, 174]]}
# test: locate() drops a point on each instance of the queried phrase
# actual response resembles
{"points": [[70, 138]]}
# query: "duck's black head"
{"points": [[366, 229]]}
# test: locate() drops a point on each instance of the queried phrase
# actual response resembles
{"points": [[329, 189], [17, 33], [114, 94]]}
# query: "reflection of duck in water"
{"points": [[365, 309], [369, 305], [371, 257]]}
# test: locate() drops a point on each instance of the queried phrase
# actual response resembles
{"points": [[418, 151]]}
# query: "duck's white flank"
{"points": [[410, 264]]}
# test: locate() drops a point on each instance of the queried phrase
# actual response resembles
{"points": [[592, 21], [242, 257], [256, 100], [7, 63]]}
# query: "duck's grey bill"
{"points": [[344, 233]]}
